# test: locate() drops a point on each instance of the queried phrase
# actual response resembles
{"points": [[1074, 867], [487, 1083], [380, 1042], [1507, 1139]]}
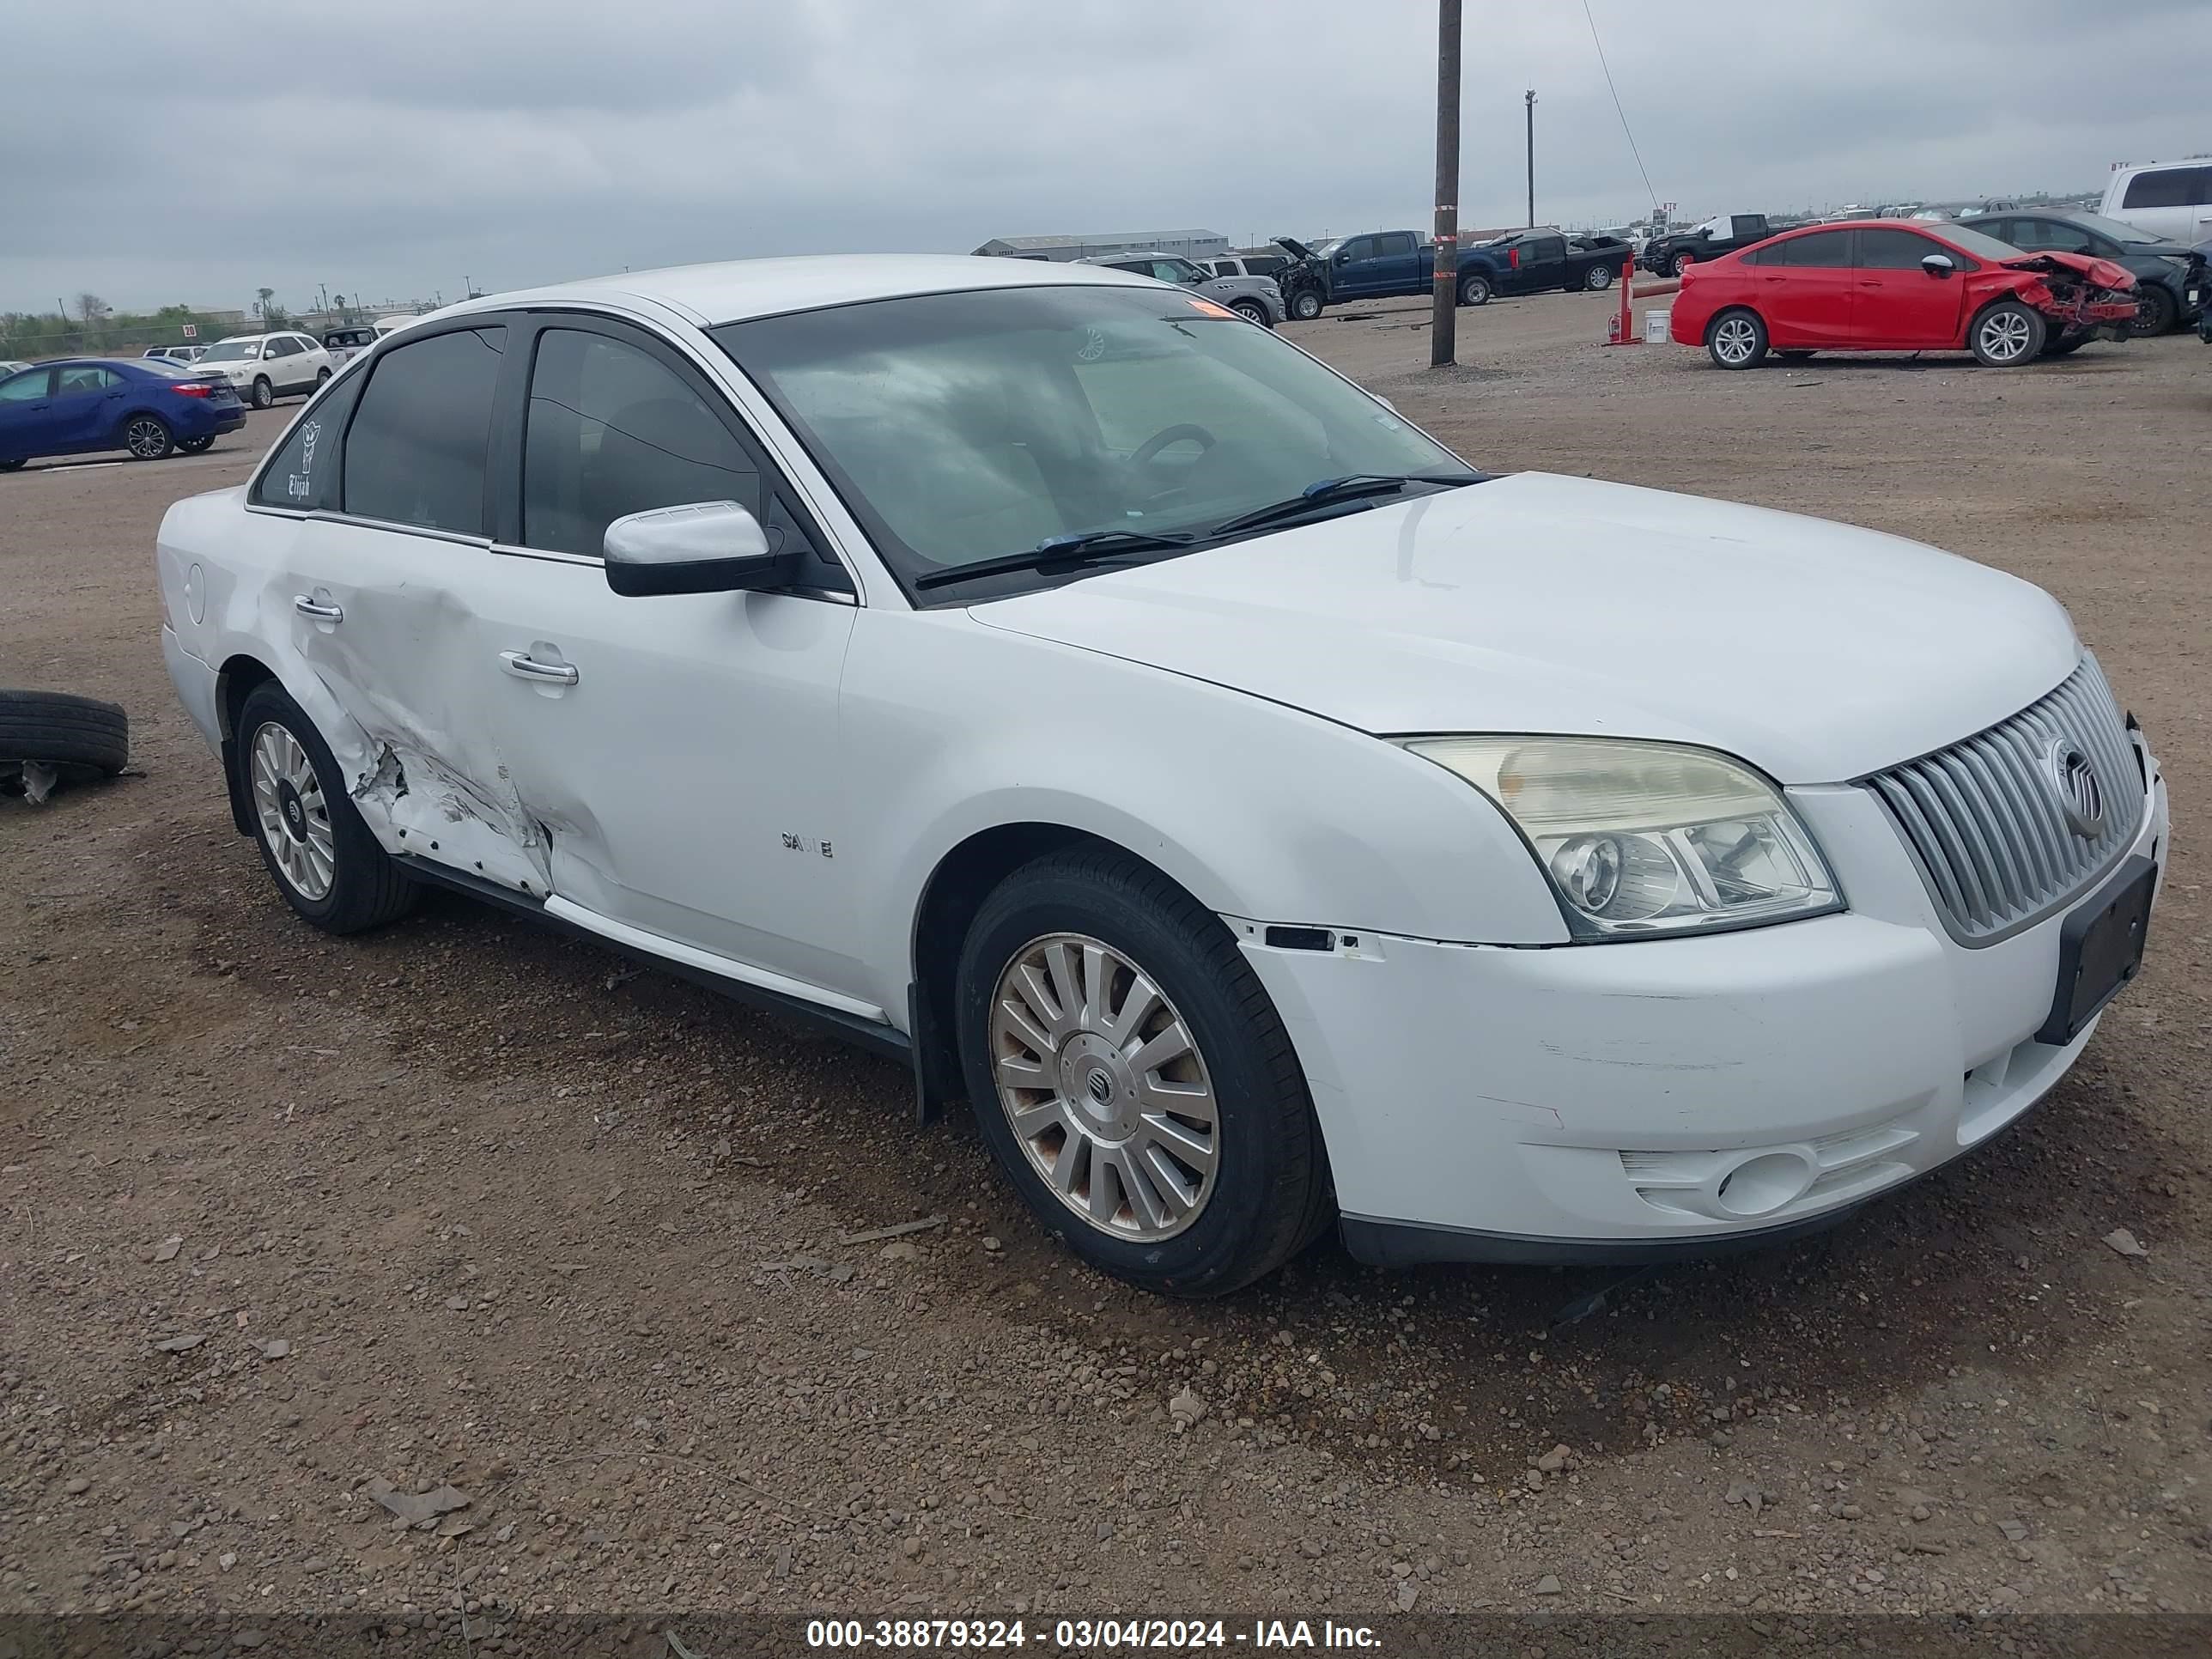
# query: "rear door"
{"points": [[380, 585], [87, 406], [1805, 285], [1398, 261], [26, 415], [1896, 302]]}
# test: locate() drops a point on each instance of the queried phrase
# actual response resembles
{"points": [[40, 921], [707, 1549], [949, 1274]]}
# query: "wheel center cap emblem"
{"points": [[1100, 1085], [2073, 781]]}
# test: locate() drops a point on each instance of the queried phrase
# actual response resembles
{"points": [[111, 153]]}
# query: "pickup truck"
{"points": [[1378, 264], [1537, 261], [1672, 254]]}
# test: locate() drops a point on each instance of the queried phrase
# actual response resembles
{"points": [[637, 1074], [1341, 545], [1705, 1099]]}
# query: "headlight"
{"points": [[1646, 838]]}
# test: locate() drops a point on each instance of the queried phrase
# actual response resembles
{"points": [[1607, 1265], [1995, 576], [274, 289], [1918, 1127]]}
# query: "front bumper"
{"points": [[1620, 1102]]}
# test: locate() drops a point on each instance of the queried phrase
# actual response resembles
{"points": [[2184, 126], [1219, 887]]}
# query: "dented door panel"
{"points": [[399, 661]]}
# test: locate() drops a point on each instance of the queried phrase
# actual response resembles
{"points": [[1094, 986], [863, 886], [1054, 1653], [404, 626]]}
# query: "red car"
{"points": [[1896, 286]]}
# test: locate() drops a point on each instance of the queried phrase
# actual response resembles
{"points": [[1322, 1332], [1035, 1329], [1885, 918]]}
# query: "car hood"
{"points": [[1817, 651], [1296, 250], [2098, 273]]}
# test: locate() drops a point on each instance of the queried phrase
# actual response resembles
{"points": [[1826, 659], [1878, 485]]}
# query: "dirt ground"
{"points": [[461, 1202]]}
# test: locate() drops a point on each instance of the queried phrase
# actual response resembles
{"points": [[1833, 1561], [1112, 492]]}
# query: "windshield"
{"points": [[232, 352], [961, 427]]}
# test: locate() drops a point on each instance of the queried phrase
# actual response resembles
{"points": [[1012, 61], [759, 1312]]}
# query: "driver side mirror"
{"points": [[1938, 264], [706, 547]]}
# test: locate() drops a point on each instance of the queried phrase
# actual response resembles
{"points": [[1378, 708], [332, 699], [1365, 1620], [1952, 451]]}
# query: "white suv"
{"points": [[1146, 734], [2171, 199], [266, 367]]}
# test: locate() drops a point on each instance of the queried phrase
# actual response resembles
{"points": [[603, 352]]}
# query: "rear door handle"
{"points": [[308, 607], [523, 666]]}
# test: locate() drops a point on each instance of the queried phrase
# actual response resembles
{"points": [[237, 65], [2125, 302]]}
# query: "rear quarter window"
{"points": [[302, 475]]}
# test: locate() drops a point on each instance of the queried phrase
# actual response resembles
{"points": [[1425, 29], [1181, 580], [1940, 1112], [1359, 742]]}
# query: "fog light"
{"points": [[1761, 1185]]}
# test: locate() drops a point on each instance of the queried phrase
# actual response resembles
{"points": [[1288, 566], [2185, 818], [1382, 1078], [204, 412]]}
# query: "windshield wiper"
{"points": [[1057, 552], [1330, 492]]}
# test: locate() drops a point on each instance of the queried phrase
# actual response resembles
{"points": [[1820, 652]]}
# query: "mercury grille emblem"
{"points": [[2080, 796], [1101, 1086]]}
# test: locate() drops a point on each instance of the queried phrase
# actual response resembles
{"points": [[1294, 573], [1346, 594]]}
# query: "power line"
{"points": [[1617, 109]]}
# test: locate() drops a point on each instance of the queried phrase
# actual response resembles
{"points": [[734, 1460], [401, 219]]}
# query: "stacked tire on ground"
{"points": [[81, 739]]}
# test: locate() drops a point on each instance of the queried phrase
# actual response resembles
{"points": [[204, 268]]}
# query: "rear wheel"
{"points": [[321, 375], [146, 437], [327, 863], [2155, 311], [2007, 334], [1681, 262], [1598, 276], [1133, 1079], [1474, 290], [1737, 339]]}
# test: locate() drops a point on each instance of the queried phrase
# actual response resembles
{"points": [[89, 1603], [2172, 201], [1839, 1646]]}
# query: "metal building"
{"points": [[1190, 244]]}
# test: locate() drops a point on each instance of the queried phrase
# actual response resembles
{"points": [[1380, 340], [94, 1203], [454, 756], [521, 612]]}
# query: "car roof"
{"points": [[741, 289]]}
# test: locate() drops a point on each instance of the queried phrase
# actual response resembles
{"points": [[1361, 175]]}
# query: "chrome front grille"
{"points": [[1988, 818]]}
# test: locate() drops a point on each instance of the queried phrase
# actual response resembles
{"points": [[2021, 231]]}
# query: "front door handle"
{"points": [[327, 613], [523, 666]]}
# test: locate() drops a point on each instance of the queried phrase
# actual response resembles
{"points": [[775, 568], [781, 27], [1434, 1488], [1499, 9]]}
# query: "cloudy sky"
{"points": [[401, 148]]}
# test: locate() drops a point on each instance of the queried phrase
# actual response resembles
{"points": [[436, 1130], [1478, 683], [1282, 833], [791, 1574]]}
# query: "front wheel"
{"points": [[264, 394], [1253, 312], [2007, 334], [146, 437], [1131, 1079], [326, 862], [1598, 276], [196, 445], [1737, 339], [12, 466], [2065, 345], [1306, 307], [1474, 291]]}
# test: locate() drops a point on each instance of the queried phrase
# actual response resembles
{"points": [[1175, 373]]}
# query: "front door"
{"points": [[1899, 301], [1805, 289], [681, 751], [1542, 265]]}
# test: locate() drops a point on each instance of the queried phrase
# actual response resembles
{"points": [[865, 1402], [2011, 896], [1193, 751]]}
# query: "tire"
{"points": [[1598, 277], [264, 394], [1253, 312], [319, 852], [1795, 355], [2156, 311], [147, 437], [2065, 345], [1474, 290], [321, 375], [1306, 307], [1267, 1193], [196, 445], [81, 737], [1681, 262], [12, 466], [1736, 338], [2007, 334]]}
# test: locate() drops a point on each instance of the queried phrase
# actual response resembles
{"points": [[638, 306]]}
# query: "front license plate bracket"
{"points": [[2101, 950]]}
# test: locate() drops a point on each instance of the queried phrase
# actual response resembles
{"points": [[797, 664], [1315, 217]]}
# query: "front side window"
{"points": [[1356, 249], [1894, 249], [27, 387], [416, 451], [613, 431], [961, 427]]}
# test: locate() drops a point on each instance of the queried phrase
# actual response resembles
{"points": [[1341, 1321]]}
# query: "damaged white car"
{"points": [[1173, 753]]}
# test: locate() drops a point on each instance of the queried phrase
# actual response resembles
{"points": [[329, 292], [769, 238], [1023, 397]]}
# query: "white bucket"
{"points": [[1654, 328]]}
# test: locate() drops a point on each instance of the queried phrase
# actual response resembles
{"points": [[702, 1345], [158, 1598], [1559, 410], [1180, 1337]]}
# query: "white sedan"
{"points": [[1262, 819]]}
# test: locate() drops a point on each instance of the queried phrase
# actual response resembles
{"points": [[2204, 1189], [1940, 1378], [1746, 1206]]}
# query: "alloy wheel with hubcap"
{"points": [[296, 820], [146, 437], [1598, 276], [1104, 1087], [1737, 340], [1306, 307], [263, 394], [1252, 311], [1474, 291]]}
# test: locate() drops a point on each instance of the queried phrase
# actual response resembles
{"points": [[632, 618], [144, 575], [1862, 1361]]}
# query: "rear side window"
{"points": [[612, 431], [1395, 241], [2170, 187], [1827, 249], [414, 453]]}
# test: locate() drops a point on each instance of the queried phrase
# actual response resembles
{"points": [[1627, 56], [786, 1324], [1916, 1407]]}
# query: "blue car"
{"points": [[83, 404]]}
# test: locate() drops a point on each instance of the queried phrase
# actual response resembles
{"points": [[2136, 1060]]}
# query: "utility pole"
{"points": [[1531, 101], [1443, 305]]}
